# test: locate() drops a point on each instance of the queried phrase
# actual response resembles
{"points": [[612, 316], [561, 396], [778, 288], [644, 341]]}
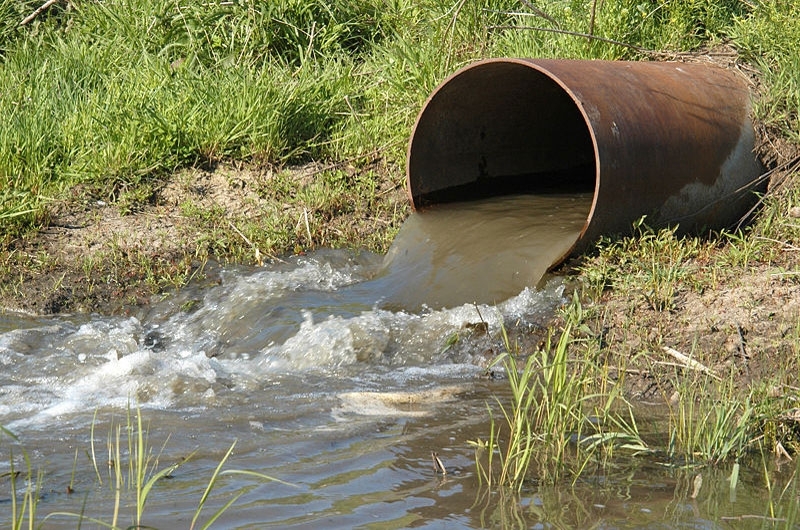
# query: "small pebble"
{"points": [[794, 211]]}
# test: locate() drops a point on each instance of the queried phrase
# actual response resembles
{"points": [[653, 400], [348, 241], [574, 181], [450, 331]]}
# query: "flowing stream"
{"points": [[337, 373]]}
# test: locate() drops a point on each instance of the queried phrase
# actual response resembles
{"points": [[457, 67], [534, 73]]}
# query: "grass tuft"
{"points": [[558, 417], [134, 475], [655, 265]]}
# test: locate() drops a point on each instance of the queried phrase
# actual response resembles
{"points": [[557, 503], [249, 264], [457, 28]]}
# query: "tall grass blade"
{"points": [[216, 515], [255, 474], [210, 485], [91, 446], [81, 518]]}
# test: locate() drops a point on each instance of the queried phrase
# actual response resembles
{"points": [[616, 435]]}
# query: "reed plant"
{"points": [[134, 473], [24, 507], [539, 419], [556, 419], [782, 508], [133, 469], [709, 424]]}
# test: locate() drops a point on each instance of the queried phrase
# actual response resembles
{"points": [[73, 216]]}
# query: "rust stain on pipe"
{"points": [[673, 141]]}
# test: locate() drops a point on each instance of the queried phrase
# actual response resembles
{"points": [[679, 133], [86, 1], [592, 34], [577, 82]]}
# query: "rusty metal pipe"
{"points": [[672, 141]]}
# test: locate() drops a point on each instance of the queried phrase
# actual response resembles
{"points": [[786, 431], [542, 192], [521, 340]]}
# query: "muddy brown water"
{"points": [[337, 373]]}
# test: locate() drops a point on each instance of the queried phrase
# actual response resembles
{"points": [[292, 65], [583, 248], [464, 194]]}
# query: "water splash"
{"points": [[348, 318]]}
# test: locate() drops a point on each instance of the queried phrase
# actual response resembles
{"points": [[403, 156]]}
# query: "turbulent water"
{"points": [[484, 251], [332, 315], [263, 335], [336, 372]]}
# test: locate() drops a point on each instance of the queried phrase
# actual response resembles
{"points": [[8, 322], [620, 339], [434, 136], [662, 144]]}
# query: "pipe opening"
{"points": [[670, 141], [499, 128]]}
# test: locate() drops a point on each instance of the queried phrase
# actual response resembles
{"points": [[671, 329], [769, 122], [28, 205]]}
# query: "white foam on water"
{"points": [[397, 338], [103, 363], [416, 403], [249, 302], [260, 332], [99, 364], [331, 343]]}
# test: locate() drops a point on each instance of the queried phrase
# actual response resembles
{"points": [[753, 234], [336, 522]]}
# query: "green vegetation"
{"points": [[562, 415], [113, 96], [133, 470], [105, 101], [566, 414], [769, 39], [26, 509]]}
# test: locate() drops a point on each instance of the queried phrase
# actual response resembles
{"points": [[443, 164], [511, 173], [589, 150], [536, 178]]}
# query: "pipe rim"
{"points": [[530, 64]]}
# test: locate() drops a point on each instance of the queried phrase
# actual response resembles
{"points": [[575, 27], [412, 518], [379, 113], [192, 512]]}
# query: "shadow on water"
{"points": [[639, 494]]}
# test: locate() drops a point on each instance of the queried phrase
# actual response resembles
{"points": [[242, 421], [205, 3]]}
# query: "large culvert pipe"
{"points": [[672, 141]]}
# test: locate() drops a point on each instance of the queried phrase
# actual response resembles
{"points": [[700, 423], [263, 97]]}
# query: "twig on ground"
{"points": [[308, 228], [781, 453], [583, 35], [688, 362], [253, 246], [786, 246], [631, 371], [38, 11], [540, 13], [758, 517]]}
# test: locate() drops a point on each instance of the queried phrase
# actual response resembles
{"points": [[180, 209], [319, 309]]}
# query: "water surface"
{"points": [[337, 372]]}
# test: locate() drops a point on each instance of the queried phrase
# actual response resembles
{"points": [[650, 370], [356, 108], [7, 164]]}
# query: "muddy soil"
{"points": [[111, 259], [747, 331]]}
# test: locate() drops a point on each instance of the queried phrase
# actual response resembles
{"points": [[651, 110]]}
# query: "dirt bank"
{"points": [[110, 258]]}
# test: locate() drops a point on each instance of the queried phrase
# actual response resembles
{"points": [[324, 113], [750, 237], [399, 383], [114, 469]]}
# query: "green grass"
{"points": [[709, 429], [711, 418], [770, 40], [122, 93], [565, 414], [114, 95], [133, 473], [106, 100], [562, 415], [23, 510], [652, 265]]}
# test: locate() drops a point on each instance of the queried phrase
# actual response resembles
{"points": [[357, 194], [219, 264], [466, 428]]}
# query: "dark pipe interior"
{"points": [[495, 129]]}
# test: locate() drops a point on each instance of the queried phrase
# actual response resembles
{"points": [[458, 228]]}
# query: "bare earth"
{"points": [[94, 258], [749, 328]]}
